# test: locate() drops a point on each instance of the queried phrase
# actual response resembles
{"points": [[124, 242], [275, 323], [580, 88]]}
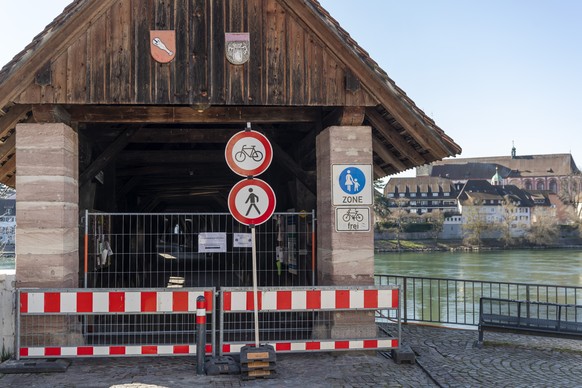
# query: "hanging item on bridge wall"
{"points": [[237, 47], [163, 45]]}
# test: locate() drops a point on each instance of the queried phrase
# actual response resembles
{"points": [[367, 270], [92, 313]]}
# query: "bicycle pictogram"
{"points": [[352, 215], [248, 151]]}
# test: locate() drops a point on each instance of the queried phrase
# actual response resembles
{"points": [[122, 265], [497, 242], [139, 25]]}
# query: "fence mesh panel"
{"points": [[196, 250]]}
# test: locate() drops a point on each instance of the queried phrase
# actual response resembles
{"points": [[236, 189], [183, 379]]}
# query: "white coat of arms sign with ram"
{"points": [[237, 47]]}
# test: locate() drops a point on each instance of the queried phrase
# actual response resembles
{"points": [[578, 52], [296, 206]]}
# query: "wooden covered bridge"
{"points": [[126, 106]]}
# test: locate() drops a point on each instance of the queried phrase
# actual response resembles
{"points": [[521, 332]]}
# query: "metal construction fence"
{"points": [[138, 250], [302, 319], [110, 323], [456, 301]]}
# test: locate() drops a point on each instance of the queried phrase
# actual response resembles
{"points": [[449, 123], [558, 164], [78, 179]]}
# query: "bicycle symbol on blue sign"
{"points": [[352, 180]]}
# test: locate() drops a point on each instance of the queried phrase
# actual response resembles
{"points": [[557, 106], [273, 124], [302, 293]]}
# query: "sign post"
{"points": [[251, 201]]}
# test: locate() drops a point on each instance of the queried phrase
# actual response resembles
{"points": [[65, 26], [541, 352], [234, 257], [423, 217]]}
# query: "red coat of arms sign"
{"points": [[163, 45]]}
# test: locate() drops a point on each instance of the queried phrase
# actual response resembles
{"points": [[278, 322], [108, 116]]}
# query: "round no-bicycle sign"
{"points": [[251, 201], [248, 153]]}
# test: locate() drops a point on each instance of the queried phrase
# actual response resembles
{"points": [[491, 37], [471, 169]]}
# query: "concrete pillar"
{"points": [[346, 257], [47, 243]]}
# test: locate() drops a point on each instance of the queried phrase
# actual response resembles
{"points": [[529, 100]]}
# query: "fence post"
{"points": [[404, 300], [200, 334]]}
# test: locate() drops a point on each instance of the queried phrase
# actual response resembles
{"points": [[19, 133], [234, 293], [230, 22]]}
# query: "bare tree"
{"points": [[508, 221], [571, 196], [437, 219], [475, 224], [545, 231], [399, 216]]}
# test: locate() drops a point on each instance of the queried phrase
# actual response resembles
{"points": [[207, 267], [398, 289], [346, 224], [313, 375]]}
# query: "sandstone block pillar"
{"points": [[47, 196], [344, 257]]}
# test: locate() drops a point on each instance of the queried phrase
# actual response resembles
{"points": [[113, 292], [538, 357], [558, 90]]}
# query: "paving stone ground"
{"points": [[445, 357]]}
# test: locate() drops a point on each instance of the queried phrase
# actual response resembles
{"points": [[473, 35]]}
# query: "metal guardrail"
{"points": [[456, 301]]}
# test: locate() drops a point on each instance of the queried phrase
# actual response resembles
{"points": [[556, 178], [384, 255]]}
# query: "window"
{"points": [[447, 194], [413, 195], [423, 194]]}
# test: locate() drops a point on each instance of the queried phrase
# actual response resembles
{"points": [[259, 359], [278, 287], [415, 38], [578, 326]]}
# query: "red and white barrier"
{"points": [[301, 299], [109, 351], [321, 346], [40, 303], [104, 302], [316, 299]]}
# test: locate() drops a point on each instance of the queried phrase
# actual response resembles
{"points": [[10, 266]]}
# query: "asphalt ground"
{"points": [[444, 358]]}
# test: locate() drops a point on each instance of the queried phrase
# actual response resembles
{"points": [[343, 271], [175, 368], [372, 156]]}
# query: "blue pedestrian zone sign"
{"points": [[352, 184], [352, 180]]}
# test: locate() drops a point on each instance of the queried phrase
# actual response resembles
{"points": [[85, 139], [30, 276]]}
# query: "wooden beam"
{"points": [[14, 115], [287, 162], [59, 39], [395, 101], [8, 168], [51, 114], [379, 172], [387, 156], [107, 156], [183, 135], [164, 157], [181, 114], [394, 137], [8, 147], [350, 116]]}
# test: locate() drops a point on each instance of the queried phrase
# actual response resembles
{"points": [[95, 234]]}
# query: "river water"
{"points": [[548, 266]]}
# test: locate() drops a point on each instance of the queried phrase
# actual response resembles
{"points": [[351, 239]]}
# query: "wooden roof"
{"points": [[92, 65]]}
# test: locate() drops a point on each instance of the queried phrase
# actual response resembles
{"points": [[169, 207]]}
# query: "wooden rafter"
{"points": [[9, 121], [107, 156], [393, 137]]}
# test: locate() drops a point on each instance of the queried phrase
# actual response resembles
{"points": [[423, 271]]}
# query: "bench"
{"points": [[525, 317]]}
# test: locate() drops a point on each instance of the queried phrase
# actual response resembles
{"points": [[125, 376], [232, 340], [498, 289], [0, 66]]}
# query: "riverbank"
{"points": [[384, 246]]}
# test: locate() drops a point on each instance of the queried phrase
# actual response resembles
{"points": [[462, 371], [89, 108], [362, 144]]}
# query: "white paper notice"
{"points": [[211, 242], [242, 240]]}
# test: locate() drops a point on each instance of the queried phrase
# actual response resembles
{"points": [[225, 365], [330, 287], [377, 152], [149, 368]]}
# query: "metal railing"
{"points": [[456, 301]]}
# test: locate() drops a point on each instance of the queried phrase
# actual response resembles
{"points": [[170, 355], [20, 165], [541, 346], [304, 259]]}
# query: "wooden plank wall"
{"points": [[111, 64]]}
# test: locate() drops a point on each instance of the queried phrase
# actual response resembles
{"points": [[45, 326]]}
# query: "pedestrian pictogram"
{"points": [[248, 153], [352, 180], [352, 184], [252, 201]]}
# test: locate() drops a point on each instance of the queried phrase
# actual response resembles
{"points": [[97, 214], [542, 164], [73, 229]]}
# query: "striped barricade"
{"points": [[99, 322], [297, 319]]}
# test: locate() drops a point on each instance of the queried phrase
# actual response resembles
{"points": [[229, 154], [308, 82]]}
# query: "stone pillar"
{"points": [[343, 258], [47, 196]]}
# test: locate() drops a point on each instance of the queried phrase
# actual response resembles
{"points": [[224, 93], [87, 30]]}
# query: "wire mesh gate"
{"points": [[129, 250]]}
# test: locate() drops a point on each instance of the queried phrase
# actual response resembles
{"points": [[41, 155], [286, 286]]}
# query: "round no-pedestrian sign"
{"points": [[251, 201], [248, 153]]}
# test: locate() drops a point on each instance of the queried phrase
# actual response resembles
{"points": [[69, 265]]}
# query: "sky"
{"points": [[491, 73]]}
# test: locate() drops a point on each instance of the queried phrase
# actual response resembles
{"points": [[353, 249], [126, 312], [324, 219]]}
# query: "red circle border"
{"points": [[241, 171], [247, 220]]}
